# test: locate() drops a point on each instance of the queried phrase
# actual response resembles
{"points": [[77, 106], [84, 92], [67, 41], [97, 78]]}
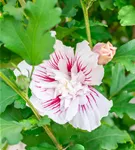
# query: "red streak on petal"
{"points": [[45, 78], [56, 56], [89, 101], [53, 102], [83, 108], [93, 98], [88, 72], [93, 91], [61, 55]]}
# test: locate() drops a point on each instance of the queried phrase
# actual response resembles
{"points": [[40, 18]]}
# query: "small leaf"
{"points": [[19, 103], [70, 8], [29, 123], [106, 4], [126, 15], [44, 121], [10, 130], [13, 11]]}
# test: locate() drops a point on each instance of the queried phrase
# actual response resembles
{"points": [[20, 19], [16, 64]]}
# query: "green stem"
{"points": [[23, 95], [31, 72], [22, 2], [87, 24]]}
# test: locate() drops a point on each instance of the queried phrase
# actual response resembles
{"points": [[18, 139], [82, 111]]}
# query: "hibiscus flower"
{"points": [[62, 87]]}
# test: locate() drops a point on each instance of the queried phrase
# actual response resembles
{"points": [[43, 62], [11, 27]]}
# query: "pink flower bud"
{"points": [[106, 52]]}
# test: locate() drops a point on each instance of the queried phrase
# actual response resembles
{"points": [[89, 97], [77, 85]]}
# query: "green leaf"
{"points": [[13, 11], [43, 146], [104, 137], [126, 147], [13, 2], [126, 15], [10, 130], [122, 106], [34, 137], [63, 31], [100, 33], [77, 147], [19, 103], [64, 133], [106, 4], [29, 123], [32, 41], [97, 23], [120, 3], [126, 56], [5, 54], [119, 80], [130, 87], [70, 7], [8, 96], [12, 114], [44, 121]]}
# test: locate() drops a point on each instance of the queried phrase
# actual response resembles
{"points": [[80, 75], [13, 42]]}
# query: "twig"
{"points": [[22, 2], [87, 24]]}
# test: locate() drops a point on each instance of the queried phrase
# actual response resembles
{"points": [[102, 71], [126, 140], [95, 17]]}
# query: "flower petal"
{"points": [[25, 69], [72, 110], [86, 61], [37, 104], [96, 76], [90, 114], [50, 108], [61, 52]]}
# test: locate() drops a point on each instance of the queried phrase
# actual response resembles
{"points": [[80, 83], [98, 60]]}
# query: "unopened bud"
{"points": [[106, 52], [22, 82]]}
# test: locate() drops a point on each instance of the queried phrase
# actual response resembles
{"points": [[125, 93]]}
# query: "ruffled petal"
{"points": [[86, 61], [43, 83], [96, 76], [50, 108], [53, 109], [25, 69], [61, 52], [90, 114], [72, 110]]}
